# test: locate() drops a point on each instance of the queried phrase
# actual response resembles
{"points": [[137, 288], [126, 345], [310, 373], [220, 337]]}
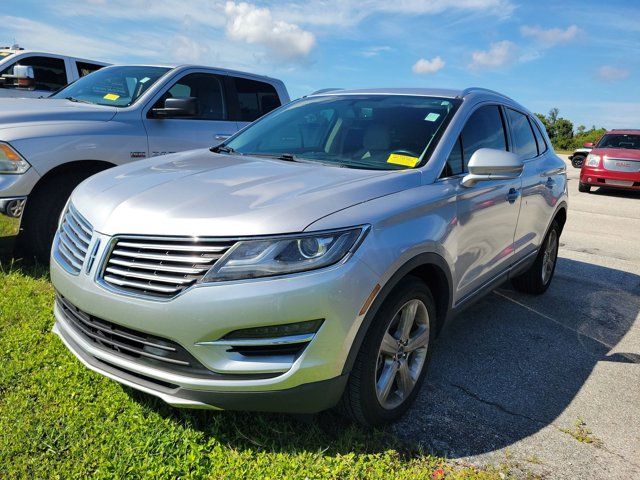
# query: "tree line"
{"points": [[561, 132]]}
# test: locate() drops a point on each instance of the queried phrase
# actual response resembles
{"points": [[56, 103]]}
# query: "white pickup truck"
{"points": [[113, 116], [33, 74]]}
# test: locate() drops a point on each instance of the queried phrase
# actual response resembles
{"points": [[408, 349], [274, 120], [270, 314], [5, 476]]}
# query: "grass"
{"points": [[60, 420], [581, 433]]}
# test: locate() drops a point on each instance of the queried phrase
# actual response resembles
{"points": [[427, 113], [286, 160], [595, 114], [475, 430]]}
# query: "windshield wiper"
{"points": [[222, 148], [76, 100]]}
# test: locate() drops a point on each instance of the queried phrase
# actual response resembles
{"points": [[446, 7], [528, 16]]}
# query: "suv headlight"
{"points": [[593, 160], [283, 255], [11, 161]]}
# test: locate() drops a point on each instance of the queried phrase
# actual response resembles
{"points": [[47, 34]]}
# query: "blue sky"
{"points": [[582, 57]]}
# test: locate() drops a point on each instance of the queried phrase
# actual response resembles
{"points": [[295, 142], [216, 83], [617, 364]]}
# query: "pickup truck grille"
{"points": [[74, 237], [160, 267]]}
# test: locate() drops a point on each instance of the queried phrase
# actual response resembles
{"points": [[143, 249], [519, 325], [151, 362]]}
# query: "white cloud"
{"points": [[424, 66], [612, 74], [252, 24], [552, 36], [375, 51], [498, 55]]}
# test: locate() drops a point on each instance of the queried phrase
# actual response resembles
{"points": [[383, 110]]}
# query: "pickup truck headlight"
{"points": [[593, 160], [11, 161], [283, 255]]}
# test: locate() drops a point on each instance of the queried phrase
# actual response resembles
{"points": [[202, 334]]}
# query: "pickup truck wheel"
{"points": [[537, 279], [577, 161], [393, 359], [42, 213], [584, 188]]}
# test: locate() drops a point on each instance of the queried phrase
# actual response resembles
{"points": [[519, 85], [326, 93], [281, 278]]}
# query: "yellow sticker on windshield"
{"points": [[404, 160], [111, 96]]}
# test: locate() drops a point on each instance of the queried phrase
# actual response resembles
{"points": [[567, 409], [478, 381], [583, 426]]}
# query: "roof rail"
{"points": [[469, 90], [325, 90]]}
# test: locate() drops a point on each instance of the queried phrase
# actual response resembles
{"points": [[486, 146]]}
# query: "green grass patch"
{"points": [[60, 420]]}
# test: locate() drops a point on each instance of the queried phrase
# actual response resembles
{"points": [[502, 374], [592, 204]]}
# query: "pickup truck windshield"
{"points": [[113, 86], [382, 132]]}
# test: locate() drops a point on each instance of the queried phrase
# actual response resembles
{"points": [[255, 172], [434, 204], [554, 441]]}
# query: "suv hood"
{"points": [[15, 111], [621, 153], [199, 193]]}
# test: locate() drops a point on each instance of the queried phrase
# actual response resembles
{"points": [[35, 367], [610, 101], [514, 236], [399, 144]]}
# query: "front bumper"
{"points": [[311, 381], [600, 177], [14, 190]]}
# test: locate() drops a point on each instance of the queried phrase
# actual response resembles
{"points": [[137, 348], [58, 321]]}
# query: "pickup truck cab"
{"points": [[110, 117], [33, 74]]}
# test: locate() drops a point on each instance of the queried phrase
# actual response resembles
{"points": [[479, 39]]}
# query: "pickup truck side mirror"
{"points": [[182, 107], [22, 77], [587, 144], [490, 164]]}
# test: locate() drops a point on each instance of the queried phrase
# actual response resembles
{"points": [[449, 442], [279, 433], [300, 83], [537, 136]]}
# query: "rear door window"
{"points": [[50, 73], [542, 145], [85, 68], [524, 141], [255, 98]]}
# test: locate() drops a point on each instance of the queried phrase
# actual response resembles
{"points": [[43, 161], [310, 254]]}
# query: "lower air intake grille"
{"points": [[129, 343], [158, 267], [74, 237]]}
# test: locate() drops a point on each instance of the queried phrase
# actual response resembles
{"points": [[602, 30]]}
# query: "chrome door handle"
{"points": [[513, 195], [550, 183], [221, 136]]}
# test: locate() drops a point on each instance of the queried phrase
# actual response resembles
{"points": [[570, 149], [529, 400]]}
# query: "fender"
{"points": [[423, 259]]}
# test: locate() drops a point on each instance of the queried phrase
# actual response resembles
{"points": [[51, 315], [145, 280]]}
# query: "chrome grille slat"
{"points": [[160, 267], [74, 238], [150, 277]]}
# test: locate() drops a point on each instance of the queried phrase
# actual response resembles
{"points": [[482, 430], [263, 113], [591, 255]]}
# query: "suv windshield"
{"points": [[360, 131], [619, 140], [113, 86]]}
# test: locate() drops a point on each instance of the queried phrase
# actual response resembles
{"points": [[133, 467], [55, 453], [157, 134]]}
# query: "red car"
{"points": [[613, 162]]}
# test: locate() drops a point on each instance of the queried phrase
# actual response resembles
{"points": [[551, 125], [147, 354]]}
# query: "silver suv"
{"points": [[311, 259]]}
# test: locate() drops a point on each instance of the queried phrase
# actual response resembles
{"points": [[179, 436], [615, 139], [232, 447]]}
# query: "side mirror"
{"points": [[490, 164], [22, 77], [178, 107], [587, 144]]}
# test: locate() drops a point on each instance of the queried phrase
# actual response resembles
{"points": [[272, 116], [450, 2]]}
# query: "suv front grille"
{"points": [[74, 237], [160, 267]]}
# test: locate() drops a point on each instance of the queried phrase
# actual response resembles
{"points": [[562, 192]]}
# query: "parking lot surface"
{"points": [[548, 385]]}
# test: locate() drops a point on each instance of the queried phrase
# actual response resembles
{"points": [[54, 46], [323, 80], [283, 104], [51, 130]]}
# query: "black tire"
{"points": [[534, 280], [360, 401], [584, 188], [577, 161], [43, 210]]}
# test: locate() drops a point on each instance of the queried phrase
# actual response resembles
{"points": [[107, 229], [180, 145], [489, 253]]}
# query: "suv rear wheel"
{"points": [[393, 359], [537, 279]]}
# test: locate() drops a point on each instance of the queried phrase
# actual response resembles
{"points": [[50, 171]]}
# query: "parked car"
{"points": [[578, 156], [614, 162], [312, 258], [33, 74], [113, 116]]}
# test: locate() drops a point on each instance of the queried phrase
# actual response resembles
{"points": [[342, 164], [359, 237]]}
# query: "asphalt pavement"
{"points": [[548, 385]]}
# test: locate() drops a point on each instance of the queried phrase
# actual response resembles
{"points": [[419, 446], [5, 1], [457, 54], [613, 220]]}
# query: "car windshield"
{"points": [[113, 86], [376, 131], [619, 140]]}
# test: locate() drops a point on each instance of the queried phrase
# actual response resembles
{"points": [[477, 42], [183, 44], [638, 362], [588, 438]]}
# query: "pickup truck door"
{"points": [[211, 125], [487, 213]]}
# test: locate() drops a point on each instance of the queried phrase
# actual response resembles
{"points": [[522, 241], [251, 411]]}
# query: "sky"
{"points": [[582, 57]]}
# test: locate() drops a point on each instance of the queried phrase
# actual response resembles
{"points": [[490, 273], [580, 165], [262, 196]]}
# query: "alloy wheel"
{"points": [[549, 257], [402, 354]]}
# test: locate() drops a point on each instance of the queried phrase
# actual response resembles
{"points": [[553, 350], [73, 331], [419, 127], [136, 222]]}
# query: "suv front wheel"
{"points": [[393, 359]]}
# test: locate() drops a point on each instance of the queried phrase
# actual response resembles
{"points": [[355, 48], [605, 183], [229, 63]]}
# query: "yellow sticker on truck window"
{"points": [[111, 96], [404, 160]]}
